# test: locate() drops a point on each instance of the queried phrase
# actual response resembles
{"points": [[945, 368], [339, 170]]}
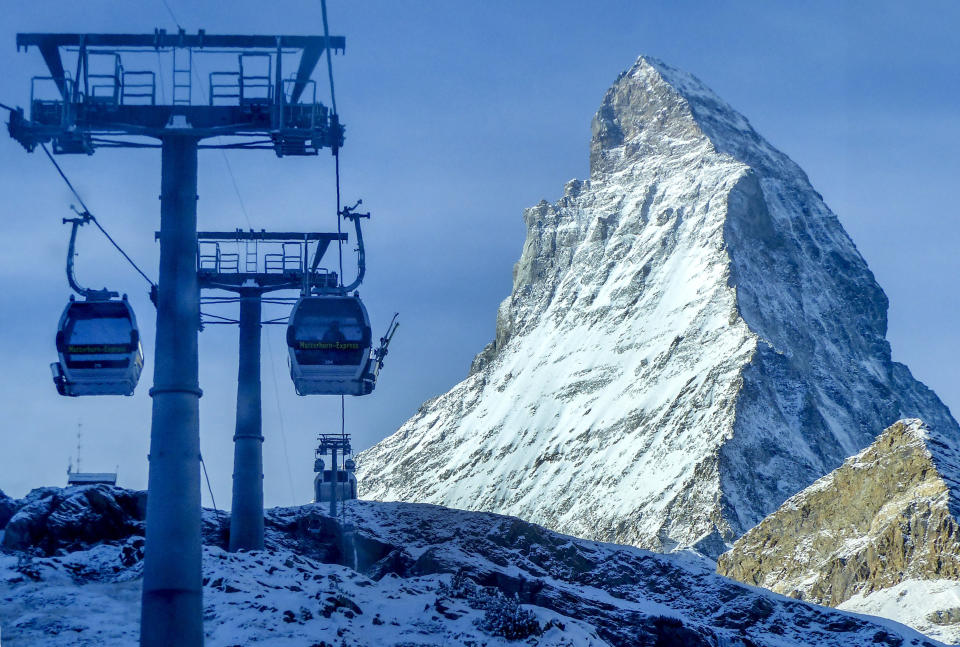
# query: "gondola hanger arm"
{"points": [[381, 352], [89, 217], [349, 213], [87, 293]]}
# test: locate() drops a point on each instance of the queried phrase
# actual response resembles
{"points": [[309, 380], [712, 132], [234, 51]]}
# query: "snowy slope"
{"points": [[424, 575], [691, 338], [930, 606], [274, 598]]}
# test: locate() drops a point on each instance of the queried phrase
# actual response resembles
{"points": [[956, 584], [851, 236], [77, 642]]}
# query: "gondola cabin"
{"points": [[99, 347], [329, 340], [346, 486]]}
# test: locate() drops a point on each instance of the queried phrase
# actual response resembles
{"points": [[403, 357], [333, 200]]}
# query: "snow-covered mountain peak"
{"points": [[656, 104], [691, 339]]}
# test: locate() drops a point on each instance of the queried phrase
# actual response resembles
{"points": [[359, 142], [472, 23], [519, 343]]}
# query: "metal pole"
{"points": [[334, 482], [246, 518], [172, 605]]}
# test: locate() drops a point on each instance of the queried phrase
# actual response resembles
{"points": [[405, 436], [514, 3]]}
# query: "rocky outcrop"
{"points": [[8, 507], [887, 516], [424, 575], [53, 519], [691, 339]]}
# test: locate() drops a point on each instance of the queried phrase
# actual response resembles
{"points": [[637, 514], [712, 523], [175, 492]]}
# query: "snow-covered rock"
{"points": [[8, 507], [51, 519], [691, 339], [878, 534], [424, 575], [929, 606]]}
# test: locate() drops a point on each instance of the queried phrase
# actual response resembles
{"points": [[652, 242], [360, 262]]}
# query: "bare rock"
{"points": [[887, 515]]}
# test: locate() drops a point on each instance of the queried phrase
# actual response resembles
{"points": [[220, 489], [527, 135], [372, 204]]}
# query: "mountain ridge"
{"points": [[881, 526]]}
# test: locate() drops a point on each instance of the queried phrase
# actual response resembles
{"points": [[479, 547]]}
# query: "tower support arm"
{"points": [[51, 56], [308, 61]]}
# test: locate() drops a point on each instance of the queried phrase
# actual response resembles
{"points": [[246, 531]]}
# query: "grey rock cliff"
{"points": [[8, 507], [51, 519]]}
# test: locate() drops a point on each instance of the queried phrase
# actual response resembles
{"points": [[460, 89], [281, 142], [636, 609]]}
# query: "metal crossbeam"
{"points": [[229, 236], [160, 38], [81, 120], [154, 120], [262, 282], [312, 46], [333, 441], [213, 276]]}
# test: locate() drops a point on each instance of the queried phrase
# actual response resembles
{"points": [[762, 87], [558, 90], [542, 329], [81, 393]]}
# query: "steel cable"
{"points": [[210, 490], [93, 218]]}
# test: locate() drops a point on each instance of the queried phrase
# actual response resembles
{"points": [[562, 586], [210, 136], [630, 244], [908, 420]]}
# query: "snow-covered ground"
{"points": [[271, 598], [425, 575], [931, 606]]}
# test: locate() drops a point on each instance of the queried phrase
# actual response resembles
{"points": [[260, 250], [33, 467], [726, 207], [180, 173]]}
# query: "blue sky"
{"points": [[459, 115]]}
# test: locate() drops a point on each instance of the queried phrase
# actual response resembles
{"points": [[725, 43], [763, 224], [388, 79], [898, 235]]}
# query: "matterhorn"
{"points": [[691, 339]]}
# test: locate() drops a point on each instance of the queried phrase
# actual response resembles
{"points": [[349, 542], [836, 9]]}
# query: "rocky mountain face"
{"points": [[887, 517], [397, 574], [691, 339]]}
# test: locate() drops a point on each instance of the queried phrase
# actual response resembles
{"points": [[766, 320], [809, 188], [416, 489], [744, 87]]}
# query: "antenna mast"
{"points": [[79, 440]]}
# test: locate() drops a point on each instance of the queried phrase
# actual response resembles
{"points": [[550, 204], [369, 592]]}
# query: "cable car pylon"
{"points": [[251, 275], [85, 111]]}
